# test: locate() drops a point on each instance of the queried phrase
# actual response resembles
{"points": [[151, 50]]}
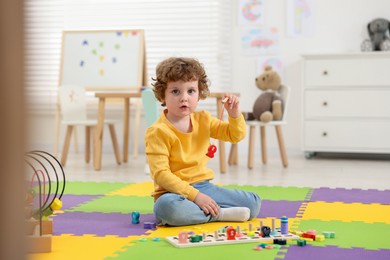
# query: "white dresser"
{"points": [[346, 103]]}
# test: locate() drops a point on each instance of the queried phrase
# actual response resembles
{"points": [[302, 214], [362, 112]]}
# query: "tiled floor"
{"points": [[344, 171]]}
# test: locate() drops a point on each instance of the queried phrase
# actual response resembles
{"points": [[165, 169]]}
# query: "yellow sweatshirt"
{"points": [[178, 159]]}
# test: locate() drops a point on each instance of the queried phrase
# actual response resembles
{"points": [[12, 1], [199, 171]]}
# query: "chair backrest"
{"points": [[73, 103], [284, 92], [150, 105]]}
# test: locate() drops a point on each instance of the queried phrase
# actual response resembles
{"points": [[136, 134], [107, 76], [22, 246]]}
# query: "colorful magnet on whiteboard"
{"points": [[117, 46], [81, 63], [134, 33], [101, 72], [101, 57], [119, 33], [113, 60], [85, 42], [101, 44], [94, 51]]}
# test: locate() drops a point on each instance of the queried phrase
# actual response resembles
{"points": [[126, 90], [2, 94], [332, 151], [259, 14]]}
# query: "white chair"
{"points": [[74, 113], [284, 93], [150, 105]]}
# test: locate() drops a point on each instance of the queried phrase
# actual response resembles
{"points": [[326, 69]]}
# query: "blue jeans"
{"points": [[175, 210]]}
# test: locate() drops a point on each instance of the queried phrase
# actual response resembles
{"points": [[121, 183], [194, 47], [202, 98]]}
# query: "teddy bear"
{"points": [[378, 31], [268, 106]]}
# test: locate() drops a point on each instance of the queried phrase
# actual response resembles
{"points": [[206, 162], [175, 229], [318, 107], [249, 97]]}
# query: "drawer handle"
{"points": [[325, 103], [325, 72], [324, 134]]}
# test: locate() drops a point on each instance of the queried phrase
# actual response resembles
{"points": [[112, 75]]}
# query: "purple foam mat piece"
{"points": [[100, 224], [271, 208], [70, 201], [333, 252], [351, 196]]}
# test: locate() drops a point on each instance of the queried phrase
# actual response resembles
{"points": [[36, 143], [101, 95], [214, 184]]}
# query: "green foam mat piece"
{"points": [[92, 188], [119, 204], [350, 234], [275, 193], [153, 250]]}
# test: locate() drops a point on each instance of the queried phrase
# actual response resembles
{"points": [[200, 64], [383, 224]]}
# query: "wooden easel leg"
{"points": [[75, 140], [251, 146], [87, 144], [57, 129], [126, 131], [282, 148], [65, 150], [97, 162], [115, 143], [263, 145], [136, 128]]}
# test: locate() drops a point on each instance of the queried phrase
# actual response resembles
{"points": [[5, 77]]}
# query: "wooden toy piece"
{"points": [[231, 233], [263, 245], [329, 234], [273, 230], [250, 227], [312, 232], [250, 233], [273, 224], [306, 235], [265, 231], [56, 204], [47, 212], [38, 244], [230, 237], [258, 248], [261, 224], [150, 225], [183, 237], [280, 241], [301, 242], [284, 225], [319, 238], [195, 238], [211, 151], [135, 217], [33, 226]]}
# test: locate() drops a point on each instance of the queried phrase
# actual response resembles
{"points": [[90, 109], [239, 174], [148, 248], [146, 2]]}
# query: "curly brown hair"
{"points": [[178, 68]]}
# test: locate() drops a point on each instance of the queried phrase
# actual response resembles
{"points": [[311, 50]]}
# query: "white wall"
{"points": [[340, 26]]}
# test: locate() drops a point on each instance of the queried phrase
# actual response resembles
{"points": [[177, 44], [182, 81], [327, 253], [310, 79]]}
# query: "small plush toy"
{"points": [[268, 106], [378, 30]]}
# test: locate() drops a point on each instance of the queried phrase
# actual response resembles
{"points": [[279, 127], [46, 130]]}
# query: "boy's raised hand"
{"points": [[231, 105]]}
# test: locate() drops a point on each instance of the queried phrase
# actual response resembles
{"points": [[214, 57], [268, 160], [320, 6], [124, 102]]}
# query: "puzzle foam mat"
{"points": [[95, 223]]}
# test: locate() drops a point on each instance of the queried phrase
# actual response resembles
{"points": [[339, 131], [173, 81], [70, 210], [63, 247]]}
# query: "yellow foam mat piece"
{"points": [[347, 212], [84, 247], [138, 189]]}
